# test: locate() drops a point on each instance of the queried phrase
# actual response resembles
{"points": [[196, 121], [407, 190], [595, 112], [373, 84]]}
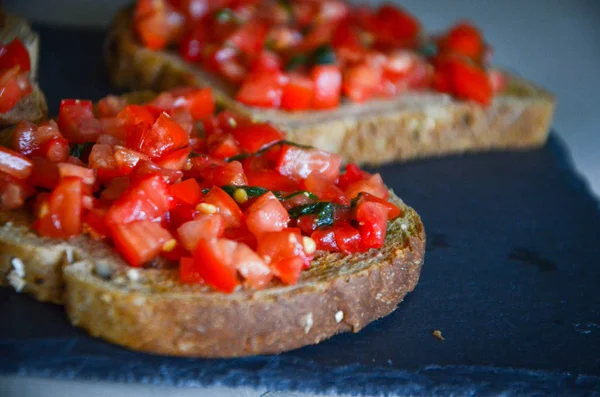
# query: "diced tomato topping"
{"points": [[327, 80], [266, 214], [353, 174], [156, 23], [361, 82], [463, 39], [139, 242], [110, 106], [393, 26], [285, 254], [164, 136], [324, 189], [251, 266], [372, 220], [250, 38], [262, 90], [187, 271], [14, 53], [347, 238], [224, 205], [86, 175], [223, 146], [175, 160], [373, 185], [297, 162], [197, 101], [77, 122], [241, 235], [229, 174], [94, 224], [393, 210], [146, 199], [205, 226], [213, 261], [251, 138], [187, 192], [298, 93], [147, 167], [463, 80], [192, 43], [44, 140], [266, 61], [44, 173], [60, 215], [14, 85], [15, 164], [325, 240], [13, 192]]}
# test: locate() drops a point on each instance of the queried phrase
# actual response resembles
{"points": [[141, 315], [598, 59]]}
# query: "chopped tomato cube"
{"points": [[299, 163], [266, 214], [192, 44], [14, 53], [262, 90], [250, 37], [60, 215], [298, 93], [13, 192], [176, 160], [361, 82], [325, 190], [225, 206], [251, 266], [272, 180], [180, 215], [86, 175], [110, 106], [325, 240], [241, 235], [139, 242], [229, 174], [132, 115], [223, 146], [463, 80], [164, 136], [15, 164], [353, 174], [253, 137], [394, 26], [44, 173], [266, 61], [393, 210], [157, 23], [187, 271], [186, 192], [327, 80], [463, 39], [197, 101], [285, 254], [213, 261], [205, 226], [77, 122], [147, 167], [373, 185], [347, 238], [94, 224], [145, 199], [14, 85], [372, 220]]}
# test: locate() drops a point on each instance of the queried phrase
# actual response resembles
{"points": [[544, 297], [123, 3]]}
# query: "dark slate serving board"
{"points": [[511, 279]]}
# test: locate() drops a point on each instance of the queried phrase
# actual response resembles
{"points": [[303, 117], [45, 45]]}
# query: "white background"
{"points": [[554, 43]]}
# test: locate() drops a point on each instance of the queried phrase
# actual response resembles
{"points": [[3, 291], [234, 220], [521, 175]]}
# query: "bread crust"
{"points": [[411, 126], [33, 107]]}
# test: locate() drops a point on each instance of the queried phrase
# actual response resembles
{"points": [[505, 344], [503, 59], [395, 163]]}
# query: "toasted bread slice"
{"points": [[33, 107], [411, 126], [149, 310]]}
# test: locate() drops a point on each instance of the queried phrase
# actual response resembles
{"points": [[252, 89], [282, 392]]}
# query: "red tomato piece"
{"points": [[250, 37], [14, 53], [353, 174], [44, 173], [164, 136], [253, 137], [463, 80], [200, 163], [225, 206], [463, 39], [180, 215], [347, 238], [187, 192], [86, 175], [251, 266], [197, 101], [192, 43], [127, 159], [77, 122], [188, 273], [156, 23], [94, 225], [132, 115], [266, 214], [145, 199], [285, 254], [147, 167], [15, 164], [230, 174], [110, 106], [272, 180], [14, 85], [325, 190], [346, 38], [223, 146], [60, 215], [213, 261], [327, 80], [266, 61], [298, 93], [205, 226], [262, 90], [139, 242], [393, 210], [325, 240], [361, 82], [373, 185], [175, 160], [44, 140], [241, 235], [395, 27], [297, 162], [372, 220], [13, 192]]}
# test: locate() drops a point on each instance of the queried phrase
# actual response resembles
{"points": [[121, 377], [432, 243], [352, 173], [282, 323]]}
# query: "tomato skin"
{"points": [[252, 138], [197, 101], [325, 240], [463, 39], [213, 263], [373, 185], [139, 242], [327, 80], [347, 238], [191, 44], [262, 90], [205, 226], [44, 173], [299, 163], [62, 219], [241, 235], [188, 273], [393, 210], [284, 252], [372, 220], [86, 175], [266, 214], [164, 136], [187, 192], [298, 93], [14, 53], [325, 190], [463, 80], [226, 206], [43, 140], [229, 174], [13, 86], [77, 122], [13, 192], [223, 146], [181, 214], [147, 167], [15, 164], [145, 199], [175, 160]]}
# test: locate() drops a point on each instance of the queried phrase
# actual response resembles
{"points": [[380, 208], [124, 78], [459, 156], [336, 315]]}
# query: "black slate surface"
{"points": [[511, 279]]}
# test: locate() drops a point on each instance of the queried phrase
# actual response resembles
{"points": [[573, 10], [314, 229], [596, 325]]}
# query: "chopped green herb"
{"points": [[324, 55], [80, 149], [296, 62], [225, 15], [323, 210], [428, 50], [264, 149], [303, 192], [251, 191]]}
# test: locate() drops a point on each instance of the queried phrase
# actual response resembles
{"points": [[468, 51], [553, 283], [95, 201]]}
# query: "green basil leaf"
{"points": [[224, 15], [296, 62], [304, 192], [243, 156], [324, 55], [324, 211], [429, 49], [251, 191], [325, 215]]}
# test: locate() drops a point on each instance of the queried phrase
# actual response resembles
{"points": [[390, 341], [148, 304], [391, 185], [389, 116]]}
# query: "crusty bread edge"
{"points": [[412, 126]]}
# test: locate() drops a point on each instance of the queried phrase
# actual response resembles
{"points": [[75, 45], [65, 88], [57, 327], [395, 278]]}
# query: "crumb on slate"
{"points": [[438, 334]]}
